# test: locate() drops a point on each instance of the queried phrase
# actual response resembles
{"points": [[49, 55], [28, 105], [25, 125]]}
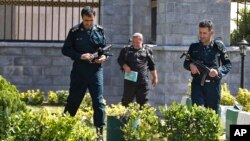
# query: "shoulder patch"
{"points": [[75, 28], [220, 45], [97, 27]]}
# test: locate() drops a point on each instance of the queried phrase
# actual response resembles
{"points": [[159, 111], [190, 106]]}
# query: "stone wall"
{"points": [[42, 66], [121, 18], [34, 65], [177, 21]]}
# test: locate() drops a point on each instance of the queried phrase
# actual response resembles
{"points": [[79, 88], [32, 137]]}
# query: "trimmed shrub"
{"points": [[226, 97], [243, 97], [190, 123], [33, 97], [44, 126]]}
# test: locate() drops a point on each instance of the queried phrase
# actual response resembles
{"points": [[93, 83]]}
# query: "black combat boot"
{"points": [[99, 132]]}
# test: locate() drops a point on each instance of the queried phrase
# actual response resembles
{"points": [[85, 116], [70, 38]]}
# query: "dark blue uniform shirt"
{"points": [[208, 56], [81, 40]]}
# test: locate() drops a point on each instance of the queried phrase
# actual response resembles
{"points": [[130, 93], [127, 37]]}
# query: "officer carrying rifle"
{"points": [[201, 60]]}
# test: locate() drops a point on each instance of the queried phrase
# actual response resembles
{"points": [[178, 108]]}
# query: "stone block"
{"points": [[178, 67], [117, 91], [141, 11], [61, 61], [61, 80], [161, 8], [122, 11], [1, 70], [234, 78], [42, 80], [53, 70], [53, 51], [33, 70], [32, 51], [188, 40], [107, 3], [112, 99], [11, 51], [19, 79], [6, 60], [42, 61], [108, 10], [117, 81], [236, 68], [142, 3], [117, 20], [165, 67], [121, 2], [170, 7], [25, 61], [121, 29], [13, 70], [173, 39], [117, 38]]}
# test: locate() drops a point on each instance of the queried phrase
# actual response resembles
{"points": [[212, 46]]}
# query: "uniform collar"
{"points": [[136, 48], [83, 29], [210, 45]]}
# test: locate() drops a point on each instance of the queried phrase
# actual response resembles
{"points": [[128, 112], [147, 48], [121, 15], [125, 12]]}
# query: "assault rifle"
{"points": [[102, 51], [201, 67]]}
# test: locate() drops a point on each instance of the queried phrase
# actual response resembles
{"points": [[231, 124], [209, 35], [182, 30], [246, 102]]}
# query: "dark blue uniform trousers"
{"points": [[207, 95], [80, 82]]}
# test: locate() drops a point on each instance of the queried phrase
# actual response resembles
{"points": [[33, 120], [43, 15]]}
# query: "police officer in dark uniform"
{"points": [[137, 58], [206, 88], [82, 41]]}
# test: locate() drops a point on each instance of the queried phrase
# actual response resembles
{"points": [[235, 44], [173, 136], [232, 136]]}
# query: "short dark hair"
{"points": [[87, 11], [206, 23]]}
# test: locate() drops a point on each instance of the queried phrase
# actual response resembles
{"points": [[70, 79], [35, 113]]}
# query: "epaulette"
{"points": [[97, 27], [75, 28], [149, 45], [220, 45]]}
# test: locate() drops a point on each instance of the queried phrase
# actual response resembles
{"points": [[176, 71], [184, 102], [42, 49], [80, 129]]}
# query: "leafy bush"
{"points": [[52, 98], [243, 97], [117, 110], [57, 97], [183, 123], [9, 103], [226, 97], [142, 123], [33, 97], [44, 126], [9, 97], [62, 96]]}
